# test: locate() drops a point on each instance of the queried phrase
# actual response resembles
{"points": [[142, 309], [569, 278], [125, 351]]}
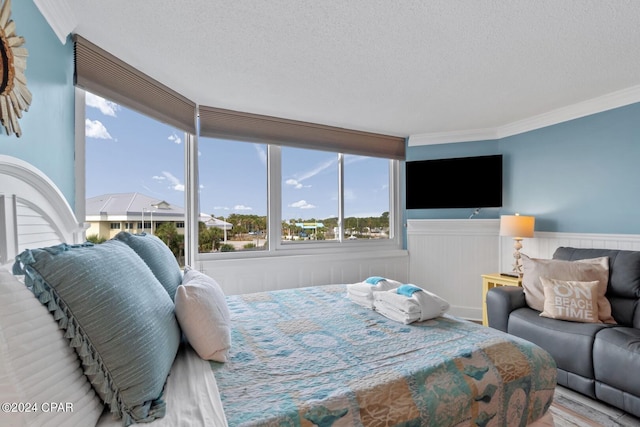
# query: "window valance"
{"points": [[229, 124], [101, 73]]}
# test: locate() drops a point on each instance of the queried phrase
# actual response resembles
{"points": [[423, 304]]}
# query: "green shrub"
{"points": [[227, 248], [94, 238]]}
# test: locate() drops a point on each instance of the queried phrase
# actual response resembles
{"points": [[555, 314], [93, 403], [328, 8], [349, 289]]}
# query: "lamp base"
{"points": [[517, 265]]}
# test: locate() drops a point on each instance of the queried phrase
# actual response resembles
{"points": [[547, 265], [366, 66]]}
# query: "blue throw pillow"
{"points": [[158, 257], [117, 316]]}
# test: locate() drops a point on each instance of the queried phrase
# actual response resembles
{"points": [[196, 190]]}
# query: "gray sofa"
{"points": [[599, 360]]}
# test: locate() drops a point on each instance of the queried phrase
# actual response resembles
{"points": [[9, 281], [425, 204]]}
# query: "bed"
{"points": [[300, 357]]}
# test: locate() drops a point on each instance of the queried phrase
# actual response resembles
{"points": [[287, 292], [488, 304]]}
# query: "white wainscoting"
{"points": [[244, 275], [544, 243], [448, 256]]}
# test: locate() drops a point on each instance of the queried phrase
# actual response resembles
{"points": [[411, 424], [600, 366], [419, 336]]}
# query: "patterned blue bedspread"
{"points": [[310, 356]]}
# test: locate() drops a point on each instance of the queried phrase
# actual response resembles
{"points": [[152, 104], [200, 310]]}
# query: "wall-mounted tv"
{"points": [[462, 182]]}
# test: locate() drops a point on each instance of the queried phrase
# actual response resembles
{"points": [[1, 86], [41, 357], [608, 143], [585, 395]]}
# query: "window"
{"points": [[240, 196], [321, 197], [312, 181], [310, 203], [233, 195], [366, 197], [134, 172]]}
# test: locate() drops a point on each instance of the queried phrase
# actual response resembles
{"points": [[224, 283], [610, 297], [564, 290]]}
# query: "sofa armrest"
{"points": [[501, 301]]}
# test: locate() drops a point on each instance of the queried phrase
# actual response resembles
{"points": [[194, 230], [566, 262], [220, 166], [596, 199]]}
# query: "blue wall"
{"points": [[580, 176], [47, 139]]}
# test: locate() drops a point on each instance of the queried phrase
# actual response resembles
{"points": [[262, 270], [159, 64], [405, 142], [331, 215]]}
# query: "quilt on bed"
{"points": [[310, 356]]}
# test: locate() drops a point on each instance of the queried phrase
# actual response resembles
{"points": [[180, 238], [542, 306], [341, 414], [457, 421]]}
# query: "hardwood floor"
{"points": [[573, 409]]}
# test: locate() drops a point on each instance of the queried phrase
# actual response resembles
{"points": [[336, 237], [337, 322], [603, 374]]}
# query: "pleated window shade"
{"points": [[101, 73], [229, 124]]}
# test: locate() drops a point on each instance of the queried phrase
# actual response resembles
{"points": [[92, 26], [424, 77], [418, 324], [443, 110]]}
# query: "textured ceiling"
{"points": [[403, 68]]}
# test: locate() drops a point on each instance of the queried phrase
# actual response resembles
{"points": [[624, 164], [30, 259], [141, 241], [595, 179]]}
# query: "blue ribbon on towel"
{"points": [[408, 290], [374, 280]]}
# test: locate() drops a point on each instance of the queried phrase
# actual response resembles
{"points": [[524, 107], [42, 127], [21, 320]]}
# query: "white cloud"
{"points": [[158, 178], [349, 194], [95, 129], [107, 108], [319, 168], [175, 138], [352, 158], [242, 208], [220, 208], [296, 182], [302, 204], [175, 182], [262, 154]]}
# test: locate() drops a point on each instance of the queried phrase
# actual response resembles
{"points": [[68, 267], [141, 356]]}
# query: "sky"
{"points": [[130, 152]]}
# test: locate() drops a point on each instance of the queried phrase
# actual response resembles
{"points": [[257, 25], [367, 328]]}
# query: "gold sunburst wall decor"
{"points": [[14, 95]]}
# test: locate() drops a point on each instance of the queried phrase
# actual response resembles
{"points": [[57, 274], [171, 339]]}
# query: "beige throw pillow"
{"points": [[584, 270], [203, 315], [570, 300]]}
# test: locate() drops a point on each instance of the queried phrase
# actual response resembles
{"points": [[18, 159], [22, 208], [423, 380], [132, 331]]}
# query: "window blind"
{"points": [[101, 73], [229, 124]]}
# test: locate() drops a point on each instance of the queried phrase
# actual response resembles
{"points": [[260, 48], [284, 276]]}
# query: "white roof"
{"points": [[210, 221], [131, 206]]}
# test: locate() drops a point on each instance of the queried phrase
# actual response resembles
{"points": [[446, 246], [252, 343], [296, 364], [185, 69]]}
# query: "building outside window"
{"points": [[143, 189]]}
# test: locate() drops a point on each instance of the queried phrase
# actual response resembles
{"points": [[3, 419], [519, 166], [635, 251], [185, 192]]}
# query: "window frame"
{"points": [[275, 247], [274, 199]]}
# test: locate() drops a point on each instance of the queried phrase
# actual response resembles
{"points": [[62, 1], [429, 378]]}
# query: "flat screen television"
{"points": [[462, 182]]}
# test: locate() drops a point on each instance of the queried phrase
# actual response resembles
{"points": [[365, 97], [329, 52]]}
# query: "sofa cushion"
{"points": [[570, 300], [624, 267], [616, 358], [582, 270], [570, 343], [624, 279]]}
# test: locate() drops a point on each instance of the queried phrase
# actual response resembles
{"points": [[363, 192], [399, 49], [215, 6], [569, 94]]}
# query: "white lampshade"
{"points": [[519, 226]]}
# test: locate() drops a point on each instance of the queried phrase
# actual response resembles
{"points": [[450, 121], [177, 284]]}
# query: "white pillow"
{"points": [[38, 368], [203, 315]]}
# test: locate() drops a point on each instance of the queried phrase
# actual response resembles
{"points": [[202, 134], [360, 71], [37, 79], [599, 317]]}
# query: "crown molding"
{"points": [[59, 16], [586, 108], [455, 136]]}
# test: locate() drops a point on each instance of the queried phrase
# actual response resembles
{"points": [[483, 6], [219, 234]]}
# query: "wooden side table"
{"points": [[491, 281]]}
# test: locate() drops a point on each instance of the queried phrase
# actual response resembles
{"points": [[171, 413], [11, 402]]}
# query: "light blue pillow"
{"points": [[117, 316], [158, 257]]}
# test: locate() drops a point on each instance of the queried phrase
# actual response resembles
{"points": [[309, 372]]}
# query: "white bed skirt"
{"points": [[191, 393]]}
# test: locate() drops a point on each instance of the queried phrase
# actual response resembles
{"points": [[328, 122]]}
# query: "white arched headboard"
{"points": [[33, 211]]}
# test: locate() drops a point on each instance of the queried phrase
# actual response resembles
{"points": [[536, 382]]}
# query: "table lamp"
{"points": [[517, 226]]}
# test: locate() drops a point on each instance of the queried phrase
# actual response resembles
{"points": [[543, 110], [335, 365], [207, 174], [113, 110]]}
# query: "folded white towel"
{"points": [[409, 303], [362, 292]]}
